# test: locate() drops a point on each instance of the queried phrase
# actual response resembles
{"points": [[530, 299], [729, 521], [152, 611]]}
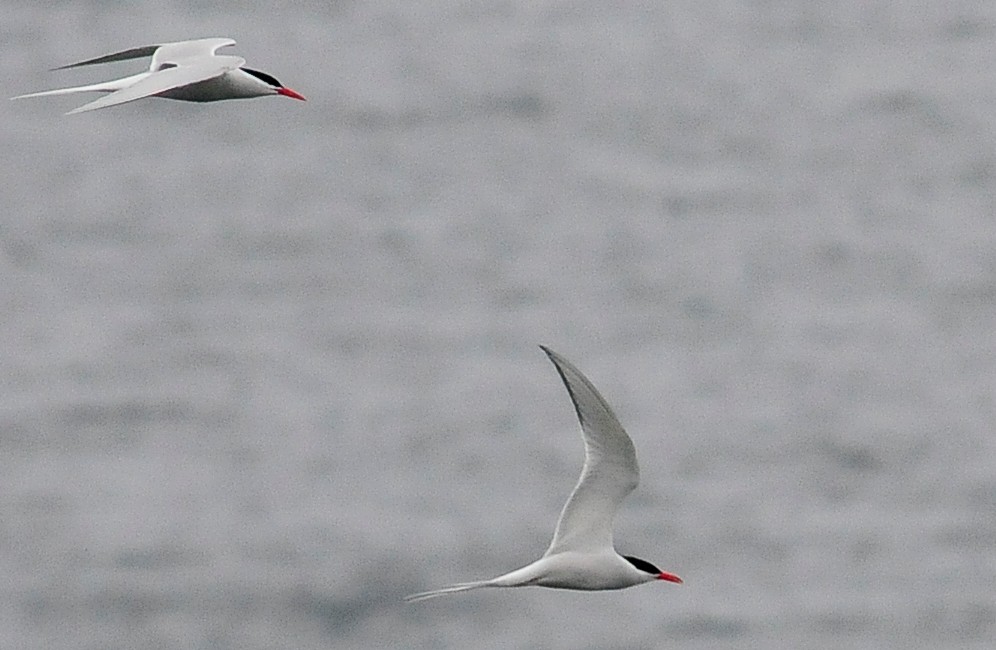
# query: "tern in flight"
{"points": [[581, 555], [186, 70]]}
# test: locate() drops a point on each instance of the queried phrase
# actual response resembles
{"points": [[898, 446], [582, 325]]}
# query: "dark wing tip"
{"points": [[124, 55], [555, 360]]}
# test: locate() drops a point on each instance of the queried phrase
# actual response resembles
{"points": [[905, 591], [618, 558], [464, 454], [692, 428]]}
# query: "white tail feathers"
{"points": [[452, 589], [104, 87], [68, 91]]}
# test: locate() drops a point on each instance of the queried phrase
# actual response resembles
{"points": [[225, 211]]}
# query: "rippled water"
{"points": [[268, 366]]}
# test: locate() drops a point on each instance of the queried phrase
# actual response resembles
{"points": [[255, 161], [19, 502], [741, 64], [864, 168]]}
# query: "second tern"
{"points": [[186, 70], [581, 555]]}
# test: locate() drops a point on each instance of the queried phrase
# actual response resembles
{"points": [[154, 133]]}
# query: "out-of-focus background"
{"points": [[267, 366]]}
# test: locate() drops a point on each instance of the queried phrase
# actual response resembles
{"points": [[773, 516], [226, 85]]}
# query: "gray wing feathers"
{"points": [[124, 55], [610, 468]]}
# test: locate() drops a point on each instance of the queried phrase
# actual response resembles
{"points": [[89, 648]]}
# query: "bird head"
{"points": [[651, 572], [278, 88]]}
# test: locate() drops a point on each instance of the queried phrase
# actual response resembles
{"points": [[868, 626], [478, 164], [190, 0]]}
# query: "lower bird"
{"points": [[581, 555], [186, 70]]}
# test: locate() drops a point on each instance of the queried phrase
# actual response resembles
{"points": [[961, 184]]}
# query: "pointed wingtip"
{"points": [[70, 66], [556, 359], [124, 55]]}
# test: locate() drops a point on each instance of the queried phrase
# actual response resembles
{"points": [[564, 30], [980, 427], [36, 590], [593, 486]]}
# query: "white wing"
{"points": [[182, 51], [167, 79], [610, 471]]}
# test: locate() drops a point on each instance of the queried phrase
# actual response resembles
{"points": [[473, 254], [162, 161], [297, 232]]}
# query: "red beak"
{"points": [[670, 577], [287, 92]]}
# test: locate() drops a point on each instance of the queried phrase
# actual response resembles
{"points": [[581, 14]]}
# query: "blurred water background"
{"points": [[267, 366]]}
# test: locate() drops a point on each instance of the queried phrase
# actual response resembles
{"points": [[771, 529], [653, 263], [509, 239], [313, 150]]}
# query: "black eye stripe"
{"points": [[265, 78]]}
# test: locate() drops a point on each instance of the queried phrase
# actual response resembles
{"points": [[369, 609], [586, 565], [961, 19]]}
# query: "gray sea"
{"points": [[267, 366]]}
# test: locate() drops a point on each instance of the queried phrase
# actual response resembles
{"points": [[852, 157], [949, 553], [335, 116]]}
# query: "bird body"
{"points": [[185, 70], [581, 555]]}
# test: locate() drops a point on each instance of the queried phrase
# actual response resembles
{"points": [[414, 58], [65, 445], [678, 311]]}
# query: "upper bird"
{"points": [[187, 70], [581, 555]]}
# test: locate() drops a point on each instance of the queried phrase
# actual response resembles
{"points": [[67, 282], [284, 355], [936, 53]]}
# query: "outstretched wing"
{"points": [[610, 470], [163, 53], [124, 55], [166, 79]]}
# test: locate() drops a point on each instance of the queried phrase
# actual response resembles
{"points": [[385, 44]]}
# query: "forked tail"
{"points": [[68, 91], [452, 589], [103, 87]]}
